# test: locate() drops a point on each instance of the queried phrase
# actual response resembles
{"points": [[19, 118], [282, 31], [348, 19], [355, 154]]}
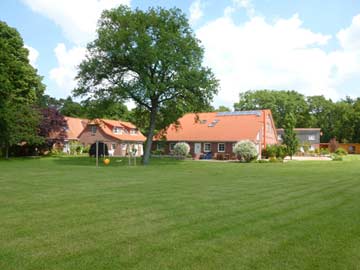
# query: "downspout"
{"points": [[264, 129]]}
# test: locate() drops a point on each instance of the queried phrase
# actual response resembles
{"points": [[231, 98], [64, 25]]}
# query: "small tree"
{"points": [[181, 149], [289, 137], [245, 150], [52, 126]]}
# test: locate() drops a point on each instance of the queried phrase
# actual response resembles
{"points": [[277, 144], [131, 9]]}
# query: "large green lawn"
{"points": [[63, 213]]}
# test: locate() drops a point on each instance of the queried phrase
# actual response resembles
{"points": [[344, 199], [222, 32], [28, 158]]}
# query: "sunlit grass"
{"points": [[64, 213]]}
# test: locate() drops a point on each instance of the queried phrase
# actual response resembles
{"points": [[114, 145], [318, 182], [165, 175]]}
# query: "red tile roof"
{"points": [[107, 126], [227, 127], [75, 127]]}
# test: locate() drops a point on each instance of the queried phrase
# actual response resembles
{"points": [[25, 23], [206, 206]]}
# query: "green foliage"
{"points": [[245, 150], [339, 119], [289, 139], [157, 152], [20, 88], [76, 148], [181, 149], [280, 103], [275, 160], [270, 151], [324, 152], [152, 58], [86, 149], [222, 108], [336, 157], [341, 152]]}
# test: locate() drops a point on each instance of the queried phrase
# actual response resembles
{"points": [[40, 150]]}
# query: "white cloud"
{"points": [[33, 55], [278, 55], [246, 4], [195, 11], [350, 37], [68, 60], [78, 18]]}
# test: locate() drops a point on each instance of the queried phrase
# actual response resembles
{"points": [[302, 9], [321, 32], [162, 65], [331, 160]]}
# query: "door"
{"points": [[197, 148]]}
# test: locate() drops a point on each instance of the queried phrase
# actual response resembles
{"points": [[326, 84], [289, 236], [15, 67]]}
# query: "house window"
{"points": [[207, 147], [160, 146], [221, 147], [133, 131], [113, 146], [93, 130], [311, 137], [117, 130], [171, 147]]}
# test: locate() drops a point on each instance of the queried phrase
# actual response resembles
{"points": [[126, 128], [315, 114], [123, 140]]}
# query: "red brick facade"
{"points": [[87, 137]]}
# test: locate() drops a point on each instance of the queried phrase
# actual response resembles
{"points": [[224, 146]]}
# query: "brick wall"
{"points": [[88, 138]]}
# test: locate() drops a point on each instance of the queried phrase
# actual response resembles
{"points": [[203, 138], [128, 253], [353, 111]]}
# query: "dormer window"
{"points": [[117, 130], [93, 129], [133, 131]]}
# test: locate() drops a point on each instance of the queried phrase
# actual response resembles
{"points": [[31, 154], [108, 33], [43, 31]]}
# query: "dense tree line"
{"points": [[340, 119]]}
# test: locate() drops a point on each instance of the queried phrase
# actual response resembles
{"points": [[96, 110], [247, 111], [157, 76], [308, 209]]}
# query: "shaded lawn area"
{"points": [[63, 213]]}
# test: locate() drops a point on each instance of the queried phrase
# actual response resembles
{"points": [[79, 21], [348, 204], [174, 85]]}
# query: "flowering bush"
{"points": [[245, 150], [181, 149]]}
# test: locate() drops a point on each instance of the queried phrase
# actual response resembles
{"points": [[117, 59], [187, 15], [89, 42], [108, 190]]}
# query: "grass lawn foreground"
{"points": [[64, 213]]}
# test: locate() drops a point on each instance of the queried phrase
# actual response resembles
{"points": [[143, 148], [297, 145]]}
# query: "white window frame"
{"points": [[221, 151], [171, 147], [311, 137], [206, 144], [117, 130], [93, 129]]}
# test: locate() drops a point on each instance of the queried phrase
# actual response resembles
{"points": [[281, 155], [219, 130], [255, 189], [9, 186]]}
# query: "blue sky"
{"points": [[309, 46]]}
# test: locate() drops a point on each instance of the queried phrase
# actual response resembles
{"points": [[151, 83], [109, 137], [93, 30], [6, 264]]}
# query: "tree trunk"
{"points": [[6, 152], [150, 135]]}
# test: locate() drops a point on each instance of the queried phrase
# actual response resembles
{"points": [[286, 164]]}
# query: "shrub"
{"points": [[181, 149], [281, 151], [278, 151], [336, 157], [86, 149], [341, 152], [56, 151], [245, 150], [157, 152], [271, 151], [324, 152]]}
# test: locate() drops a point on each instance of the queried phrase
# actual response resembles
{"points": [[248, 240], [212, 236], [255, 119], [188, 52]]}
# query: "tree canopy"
{"points": [[339, 119], [151, 57], [20, 88], [289, 138]]}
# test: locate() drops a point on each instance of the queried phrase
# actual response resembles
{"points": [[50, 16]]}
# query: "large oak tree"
{"points": [[152, 58]]}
